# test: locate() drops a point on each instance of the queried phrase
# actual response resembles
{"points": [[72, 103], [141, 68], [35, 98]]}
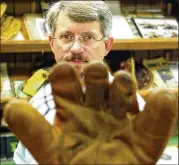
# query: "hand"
{"points": [[100, 126]]}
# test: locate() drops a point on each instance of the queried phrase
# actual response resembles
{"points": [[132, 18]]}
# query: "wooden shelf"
{"points": [[145, 44], [119, 44], [25, 46]]}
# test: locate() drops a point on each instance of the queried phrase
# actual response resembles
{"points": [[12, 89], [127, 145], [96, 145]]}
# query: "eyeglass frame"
{"points": [[78, 38]]}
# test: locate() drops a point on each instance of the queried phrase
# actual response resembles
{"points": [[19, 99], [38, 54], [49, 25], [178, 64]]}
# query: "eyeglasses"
{"points": [[67, 40]]}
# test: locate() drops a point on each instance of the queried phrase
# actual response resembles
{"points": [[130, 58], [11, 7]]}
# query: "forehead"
{"points": [[65, 24]]}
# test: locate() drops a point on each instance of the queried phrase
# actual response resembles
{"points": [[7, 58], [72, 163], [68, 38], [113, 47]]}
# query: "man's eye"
{"points": [[66, 37], [88, 37]]}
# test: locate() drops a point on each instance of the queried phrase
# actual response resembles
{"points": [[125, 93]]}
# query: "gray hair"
{"points": [[81, 11]]}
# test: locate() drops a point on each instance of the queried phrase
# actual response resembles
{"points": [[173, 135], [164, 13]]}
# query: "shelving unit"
{"points": [[31, 46], [18, 7]]}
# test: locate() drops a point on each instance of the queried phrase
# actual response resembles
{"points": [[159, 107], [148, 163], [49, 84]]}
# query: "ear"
{"points": [[51, 42], [108, 44]]}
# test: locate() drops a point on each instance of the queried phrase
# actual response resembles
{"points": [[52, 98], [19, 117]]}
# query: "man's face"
{"points": [[78, 53]]}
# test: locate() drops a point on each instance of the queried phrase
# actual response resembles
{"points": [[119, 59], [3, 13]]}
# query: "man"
{"points": [[80, 34]]}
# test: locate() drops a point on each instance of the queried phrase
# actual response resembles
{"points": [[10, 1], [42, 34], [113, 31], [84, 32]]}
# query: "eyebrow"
{"points": [[89, 32], [66, 32], [84, 33]]}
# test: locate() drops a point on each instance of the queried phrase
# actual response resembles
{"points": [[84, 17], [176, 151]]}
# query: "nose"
{"points": [[76, 47]]}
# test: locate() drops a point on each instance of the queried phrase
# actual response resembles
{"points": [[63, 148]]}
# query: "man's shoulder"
{"points": [[44, 92]]}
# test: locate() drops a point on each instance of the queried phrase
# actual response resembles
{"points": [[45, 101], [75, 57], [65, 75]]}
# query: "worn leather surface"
{"points": [[101, 126]]}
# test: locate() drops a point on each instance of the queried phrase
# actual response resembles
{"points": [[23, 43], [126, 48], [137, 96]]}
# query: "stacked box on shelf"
{"points": [[8, 145], [2, 147]]}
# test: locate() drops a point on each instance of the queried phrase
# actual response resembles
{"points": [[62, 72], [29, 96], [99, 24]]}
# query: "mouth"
{"points": [[76, 61]]}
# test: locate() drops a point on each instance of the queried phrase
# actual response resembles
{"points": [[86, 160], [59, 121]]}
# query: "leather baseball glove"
{"points": [[99, 126]]}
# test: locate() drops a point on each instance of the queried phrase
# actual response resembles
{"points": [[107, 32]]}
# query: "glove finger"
{"points": [[66, 84], [32, 130], [96, 81], [154, 125], [122, 95]]}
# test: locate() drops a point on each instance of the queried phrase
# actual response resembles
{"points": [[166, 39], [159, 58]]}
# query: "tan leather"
{"points": [[101, 126]]}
